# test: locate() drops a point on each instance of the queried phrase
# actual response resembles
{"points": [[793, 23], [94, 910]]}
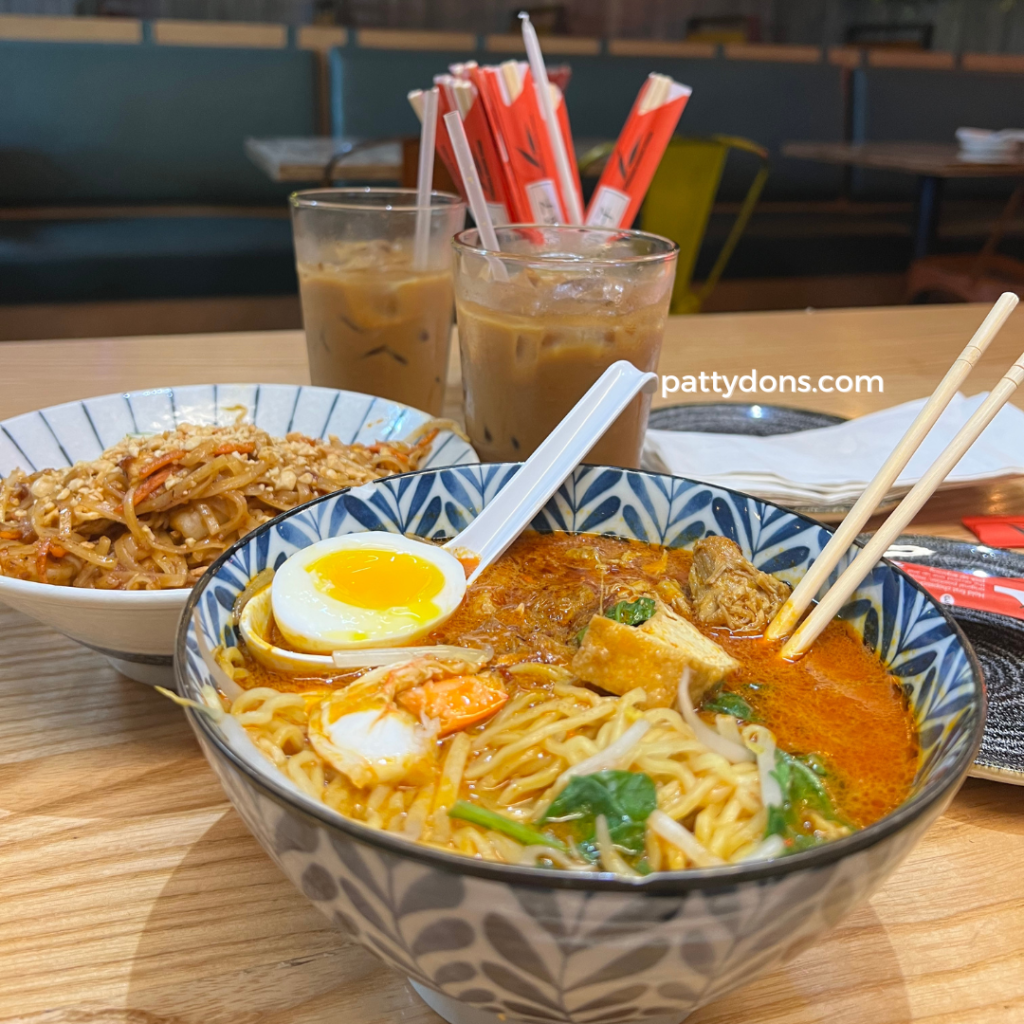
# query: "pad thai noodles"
{"points": [[595, 704], [153, 512]]}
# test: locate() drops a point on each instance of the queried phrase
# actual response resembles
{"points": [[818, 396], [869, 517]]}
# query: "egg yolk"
{"points": [[378, 580]]}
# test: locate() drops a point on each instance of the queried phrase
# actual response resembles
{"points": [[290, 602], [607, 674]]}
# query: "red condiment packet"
{"points": [[638, 151], [559, 74], [997, 594], [489, 164], [997, 531], [443, 144], [513, 112]]}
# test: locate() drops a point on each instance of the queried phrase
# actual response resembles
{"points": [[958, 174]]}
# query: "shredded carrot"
{"points": [[148, 486], [378, 446], [242, 449], [159, 463], [9, 534]]}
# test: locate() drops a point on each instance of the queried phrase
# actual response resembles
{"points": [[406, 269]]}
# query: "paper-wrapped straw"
{"points": [[467, 168], [425, 178], [570, 196]]}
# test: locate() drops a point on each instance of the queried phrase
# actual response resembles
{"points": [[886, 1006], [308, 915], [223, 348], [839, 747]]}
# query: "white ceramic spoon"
{"points": [[490, 534], [485, 539]]}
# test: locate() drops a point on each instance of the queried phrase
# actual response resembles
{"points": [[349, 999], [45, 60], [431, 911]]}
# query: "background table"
{"points": [[932, 163], [309, 159], [130, 892]]}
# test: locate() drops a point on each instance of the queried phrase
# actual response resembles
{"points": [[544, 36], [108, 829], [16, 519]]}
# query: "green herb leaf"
{"points": [[580, 635], [807, 788], [631, 613], [803, 789], [726, 703], [525, 834], [624, 798]]}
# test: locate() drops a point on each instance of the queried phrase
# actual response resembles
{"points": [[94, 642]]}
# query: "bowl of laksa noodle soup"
{"points": [[593, 791], [113, 507]]}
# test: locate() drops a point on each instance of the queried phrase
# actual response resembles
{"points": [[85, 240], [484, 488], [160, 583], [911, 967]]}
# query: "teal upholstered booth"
{"points": [[86, 124]]}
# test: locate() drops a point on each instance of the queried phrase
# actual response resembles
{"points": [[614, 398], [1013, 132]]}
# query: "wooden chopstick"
{"points": [[656, 93], [513, 80], [789, 614], [829, 606]]}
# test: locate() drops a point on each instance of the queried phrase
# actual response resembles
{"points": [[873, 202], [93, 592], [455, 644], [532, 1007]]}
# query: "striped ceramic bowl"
{"points": [[135, 629], [487, 943]]}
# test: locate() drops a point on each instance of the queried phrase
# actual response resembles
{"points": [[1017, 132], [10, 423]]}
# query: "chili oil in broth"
{"points": [[838, 702]]}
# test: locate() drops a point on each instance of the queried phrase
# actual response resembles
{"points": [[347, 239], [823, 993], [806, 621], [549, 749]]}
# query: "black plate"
{"points": [[998, 640], [735, 418]]}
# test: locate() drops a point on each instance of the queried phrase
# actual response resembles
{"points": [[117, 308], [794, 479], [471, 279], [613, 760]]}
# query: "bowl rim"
{"points": [[934, 792], [170, 597]]}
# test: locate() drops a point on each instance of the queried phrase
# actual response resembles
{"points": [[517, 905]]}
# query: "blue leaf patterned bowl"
{"points": [[484, 942], [135, 629]]}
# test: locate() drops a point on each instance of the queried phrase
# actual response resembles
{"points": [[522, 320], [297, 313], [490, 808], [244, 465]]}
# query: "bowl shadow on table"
{"points": [[252, 948], [251, 945]]}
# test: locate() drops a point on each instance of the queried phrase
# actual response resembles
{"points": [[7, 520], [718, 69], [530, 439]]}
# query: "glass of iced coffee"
{"points": [[376, 302], [542, 318]]}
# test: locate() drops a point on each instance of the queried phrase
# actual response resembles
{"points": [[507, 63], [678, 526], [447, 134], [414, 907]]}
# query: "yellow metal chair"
{"points": [[680, 200]]}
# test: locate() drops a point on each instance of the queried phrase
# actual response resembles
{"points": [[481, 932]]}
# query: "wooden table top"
{"points": [[131, 893], [306, 159], [926, 158]]}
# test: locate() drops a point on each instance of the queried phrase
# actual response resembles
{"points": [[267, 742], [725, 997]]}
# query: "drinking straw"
{"points": [[467, 168], [573, 208], [425, 178]]}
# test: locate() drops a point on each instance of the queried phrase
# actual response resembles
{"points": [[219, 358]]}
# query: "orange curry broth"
{"points": [[838, 701]]}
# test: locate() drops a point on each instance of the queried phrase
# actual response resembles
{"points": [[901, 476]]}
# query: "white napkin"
{"points": [[833, 465]]}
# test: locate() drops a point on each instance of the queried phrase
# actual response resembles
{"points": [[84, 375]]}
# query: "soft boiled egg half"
{"points": [[364, 590]]}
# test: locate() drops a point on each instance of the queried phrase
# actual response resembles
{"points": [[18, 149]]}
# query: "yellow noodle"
{"points": [[512, 765]]}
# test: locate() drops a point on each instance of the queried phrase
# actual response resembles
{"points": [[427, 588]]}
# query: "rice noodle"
{"points": [[732, 752], [153, 513]]}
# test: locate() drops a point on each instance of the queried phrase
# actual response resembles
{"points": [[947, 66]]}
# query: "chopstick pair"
{"points": [[838, 594]]}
